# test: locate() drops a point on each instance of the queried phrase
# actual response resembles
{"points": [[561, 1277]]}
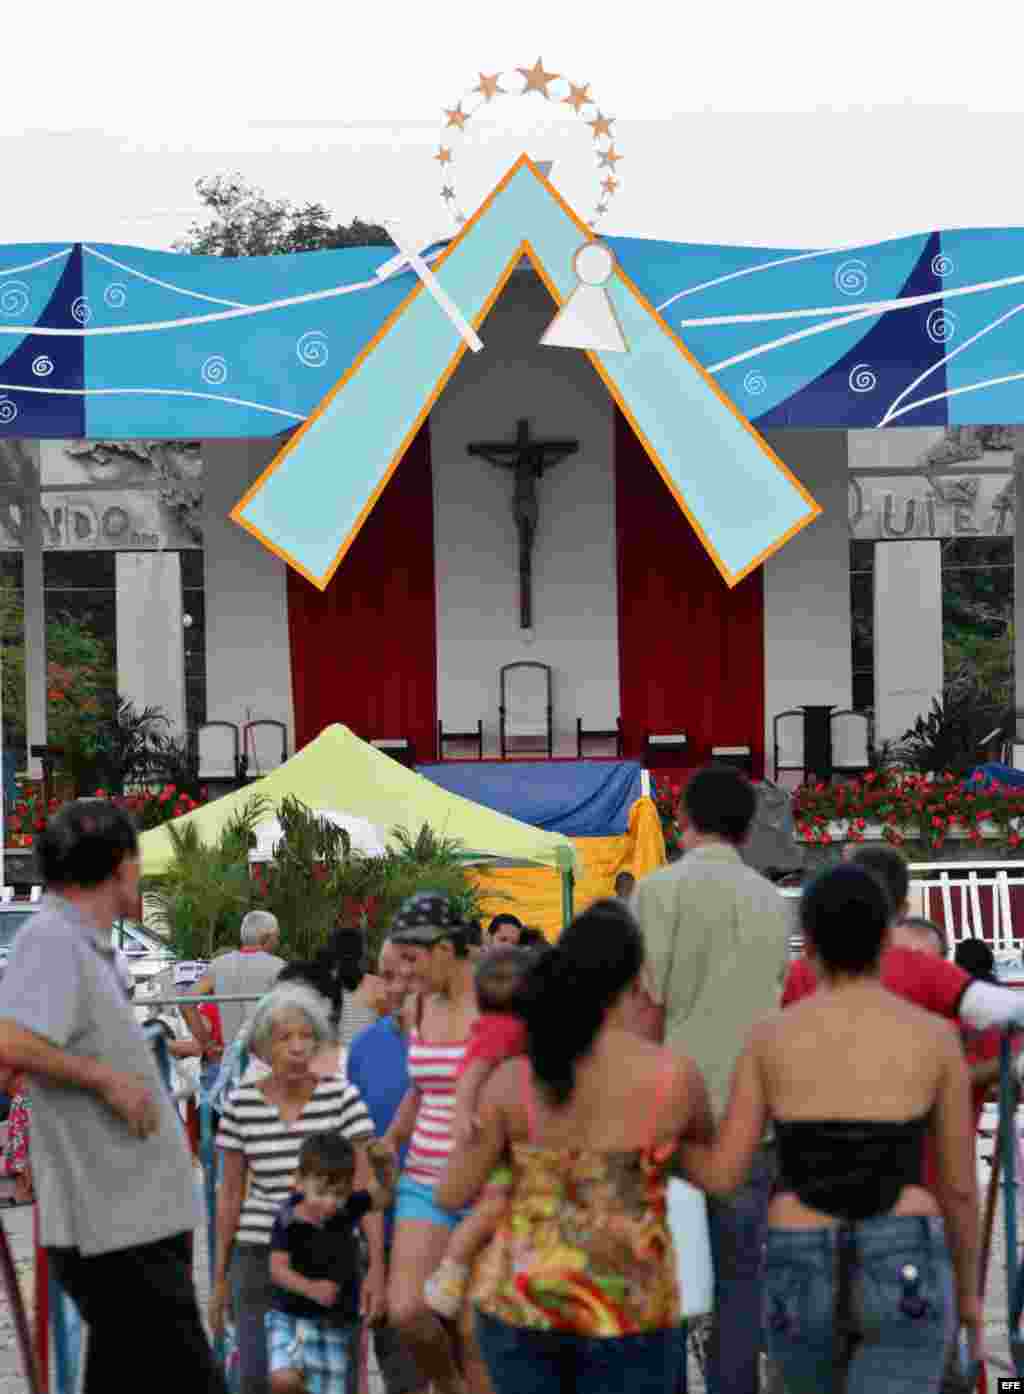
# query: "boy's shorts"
{"points": [[326, 1356]]}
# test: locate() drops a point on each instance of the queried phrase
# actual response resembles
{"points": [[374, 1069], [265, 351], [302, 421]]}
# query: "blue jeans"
{"points": [[862, 1309], [521, 1361], [737, 1225]]}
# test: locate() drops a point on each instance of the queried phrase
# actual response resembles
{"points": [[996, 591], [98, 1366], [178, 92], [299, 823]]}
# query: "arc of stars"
{"points": [[447, 193], [457, 117], [444, 155], [609, 158], [537, 79], [610, 184]]}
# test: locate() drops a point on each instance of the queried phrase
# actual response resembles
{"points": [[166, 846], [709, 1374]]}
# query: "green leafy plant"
{"points": [[947, 739], [200, 899], [302, 886]]}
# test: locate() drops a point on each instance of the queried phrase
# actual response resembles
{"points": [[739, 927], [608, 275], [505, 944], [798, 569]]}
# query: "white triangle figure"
{"points": [[588, 320]]}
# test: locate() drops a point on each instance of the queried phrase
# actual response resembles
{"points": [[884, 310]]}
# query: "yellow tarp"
{"points": [[339, 771], [536, 898]]}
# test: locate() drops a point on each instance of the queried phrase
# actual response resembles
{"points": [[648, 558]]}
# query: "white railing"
{"points": [[970, 899]]}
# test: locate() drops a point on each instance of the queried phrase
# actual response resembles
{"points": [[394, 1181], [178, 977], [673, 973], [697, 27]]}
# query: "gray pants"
{"points": [[738, 1226], [250, 1298]]}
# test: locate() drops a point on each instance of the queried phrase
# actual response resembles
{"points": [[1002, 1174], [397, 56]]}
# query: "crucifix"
{"points": [[528, 459]]}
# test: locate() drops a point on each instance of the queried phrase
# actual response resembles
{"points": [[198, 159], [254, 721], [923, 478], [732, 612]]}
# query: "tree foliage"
{"points": [[243, 222]]}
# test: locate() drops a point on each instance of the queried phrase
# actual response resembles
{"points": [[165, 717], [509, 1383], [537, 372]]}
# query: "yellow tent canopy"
{"points": [[339, 771]]}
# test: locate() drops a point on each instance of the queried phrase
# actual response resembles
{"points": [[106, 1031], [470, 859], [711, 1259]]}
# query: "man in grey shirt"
{"points": [[117, 1197], [249, 971]]}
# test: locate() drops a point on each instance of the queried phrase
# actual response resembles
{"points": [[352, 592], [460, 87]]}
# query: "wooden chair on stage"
{"points": [[400, 748], [217, 751], [471, 740], [612, 737], [526, 713], [853, 741], [264, 747], [664, 747]]}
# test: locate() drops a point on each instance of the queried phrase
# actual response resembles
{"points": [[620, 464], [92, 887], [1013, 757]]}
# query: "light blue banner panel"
{"points": [[736, 493]]}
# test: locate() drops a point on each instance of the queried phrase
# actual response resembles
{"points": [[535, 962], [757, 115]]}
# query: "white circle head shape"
{"points": [[594, 264]]}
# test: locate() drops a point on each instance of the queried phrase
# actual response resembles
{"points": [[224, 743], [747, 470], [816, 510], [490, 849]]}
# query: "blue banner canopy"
{"points": [[585, 799], [118, 342]]}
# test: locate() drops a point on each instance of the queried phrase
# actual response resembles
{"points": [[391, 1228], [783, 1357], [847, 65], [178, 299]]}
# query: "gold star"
{"points": [[609, 158], [489, 87], [610, 185], [457, 117], [447, 193], [578, 97], [602, 126], [444, 155], [537, 79]]}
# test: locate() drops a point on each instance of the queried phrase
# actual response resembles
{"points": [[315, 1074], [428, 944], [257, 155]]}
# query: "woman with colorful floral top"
{"points": [[578, 1289]]}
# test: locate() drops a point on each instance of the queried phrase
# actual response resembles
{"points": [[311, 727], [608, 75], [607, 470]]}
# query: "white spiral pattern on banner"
{"points": [[941, 325], [214, 370], [42, 366], [755, 383], [8, 411], [312, 350], [14, 298], [81, 310], [851, 277], [942, 265], [862, 378], [115, 295]]}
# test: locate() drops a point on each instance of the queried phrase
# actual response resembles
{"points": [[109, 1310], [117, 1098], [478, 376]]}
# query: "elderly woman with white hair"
{"points": [[263, 1126]]}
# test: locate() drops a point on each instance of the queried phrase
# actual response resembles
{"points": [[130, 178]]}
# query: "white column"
{"points": [[908, 634], [150, 634], [35, 611], [808, 656]]}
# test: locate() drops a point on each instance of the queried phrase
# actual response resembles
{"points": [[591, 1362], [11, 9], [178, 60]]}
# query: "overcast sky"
{"points": [[784, 124]]}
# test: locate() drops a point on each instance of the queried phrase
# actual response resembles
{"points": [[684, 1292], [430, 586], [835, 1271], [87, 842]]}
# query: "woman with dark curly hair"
{"points": [[578, 1289]]}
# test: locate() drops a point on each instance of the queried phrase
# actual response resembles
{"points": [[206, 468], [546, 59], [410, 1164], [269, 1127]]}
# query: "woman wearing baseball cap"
{"points": [[436, 945]]}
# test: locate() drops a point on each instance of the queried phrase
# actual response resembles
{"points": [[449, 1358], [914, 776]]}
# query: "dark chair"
{"points": [[853, 741], [665, 746], [398, 747], [525, 708], [788, 742], [739, 756], [614, 736], [470, 738], [217, 752], [260, 747]]}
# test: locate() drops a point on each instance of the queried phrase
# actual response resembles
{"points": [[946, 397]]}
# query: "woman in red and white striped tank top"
{"points": [[436, 947]]}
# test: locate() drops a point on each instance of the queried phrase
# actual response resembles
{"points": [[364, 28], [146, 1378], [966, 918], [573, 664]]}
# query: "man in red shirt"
{"points": [[921, 977]]}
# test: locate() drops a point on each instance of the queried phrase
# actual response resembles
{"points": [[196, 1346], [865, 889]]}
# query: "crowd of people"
{"points": [[466, 1153]]}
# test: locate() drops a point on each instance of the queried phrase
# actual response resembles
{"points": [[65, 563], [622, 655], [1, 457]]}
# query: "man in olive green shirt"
{"points": [[715, 933]]}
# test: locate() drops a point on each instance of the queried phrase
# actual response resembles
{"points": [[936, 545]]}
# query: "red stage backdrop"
{"points": [[691, 651], [364, 650]]}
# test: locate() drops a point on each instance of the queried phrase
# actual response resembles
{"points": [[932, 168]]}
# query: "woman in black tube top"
{"points": [[868, 1273]]}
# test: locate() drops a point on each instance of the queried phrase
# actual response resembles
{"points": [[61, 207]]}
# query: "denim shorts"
{"points": [[414, 1200], [522, 1361], [864, 1308]]}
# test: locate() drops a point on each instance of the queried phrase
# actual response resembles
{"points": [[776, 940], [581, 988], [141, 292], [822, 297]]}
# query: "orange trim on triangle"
{"points": [[524, 248]]}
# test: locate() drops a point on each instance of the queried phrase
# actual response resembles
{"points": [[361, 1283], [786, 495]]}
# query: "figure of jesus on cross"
{"points": [[528, 459]]}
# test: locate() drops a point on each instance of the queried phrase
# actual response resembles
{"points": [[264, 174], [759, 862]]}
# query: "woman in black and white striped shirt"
{"points": [[261, 1131]]}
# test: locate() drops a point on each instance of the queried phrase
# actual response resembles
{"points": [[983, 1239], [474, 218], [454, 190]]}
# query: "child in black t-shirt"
{"points": [[315, 1266]]}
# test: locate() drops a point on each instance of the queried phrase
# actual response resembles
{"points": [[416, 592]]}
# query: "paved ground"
{"points": [[18, 1223]]}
